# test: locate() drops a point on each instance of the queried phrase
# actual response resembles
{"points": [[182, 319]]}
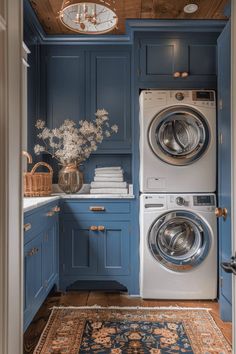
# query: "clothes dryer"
{"points": [[177, 141], [178, 246]]}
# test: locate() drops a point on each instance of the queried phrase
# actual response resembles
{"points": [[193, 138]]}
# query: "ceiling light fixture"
{"points": [[89, 17], [190, 8]]}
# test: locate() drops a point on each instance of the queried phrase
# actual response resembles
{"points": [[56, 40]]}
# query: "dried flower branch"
{"points": [[69, 143]]}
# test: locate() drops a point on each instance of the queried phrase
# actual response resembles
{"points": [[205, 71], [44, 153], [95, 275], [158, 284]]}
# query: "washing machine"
{"points": [[178, 246], [178, 141]]}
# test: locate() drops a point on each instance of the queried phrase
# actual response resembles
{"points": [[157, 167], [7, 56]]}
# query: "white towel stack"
{"points": [[109, 180]]}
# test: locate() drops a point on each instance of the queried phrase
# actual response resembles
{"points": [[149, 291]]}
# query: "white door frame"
{"points": [[11, 240], [233, 121]]}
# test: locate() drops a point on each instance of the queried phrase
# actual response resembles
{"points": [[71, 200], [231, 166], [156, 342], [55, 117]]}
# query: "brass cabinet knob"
{"points": [[33, 251], [56, 209], [50, 213], [93, 228], [101, 228], [184, 74], [27, 227], [177, 74], [221, 212]]}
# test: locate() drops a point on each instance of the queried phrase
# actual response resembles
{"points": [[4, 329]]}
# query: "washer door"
{"points": [[179, 135], [179, 240]]}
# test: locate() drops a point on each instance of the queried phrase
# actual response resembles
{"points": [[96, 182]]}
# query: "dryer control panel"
{"points": [[201, 200]]}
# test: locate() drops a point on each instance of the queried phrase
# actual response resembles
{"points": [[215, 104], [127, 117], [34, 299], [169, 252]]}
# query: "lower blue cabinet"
{"points": [[96, 248], [79, 247], [95, 242], [33, 266], [40, 258], [114, 248], [50, 254]]}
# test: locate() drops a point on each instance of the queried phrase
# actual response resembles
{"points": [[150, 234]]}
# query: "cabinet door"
{"points": [[33, 271], [160, 58], [50, 254], [114, 249], [224, 170], [110, 89], [65, 84], [78, 248]]}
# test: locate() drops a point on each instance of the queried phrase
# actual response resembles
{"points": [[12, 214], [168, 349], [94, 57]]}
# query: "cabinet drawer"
{"points": [[38, 220], [96, 207]]}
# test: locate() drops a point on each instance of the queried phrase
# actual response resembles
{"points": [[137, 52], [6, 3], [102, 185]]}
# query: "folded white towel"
{"points": [[108, 184], [108, 191], [109, 172], [108, 179], [108, 168]]}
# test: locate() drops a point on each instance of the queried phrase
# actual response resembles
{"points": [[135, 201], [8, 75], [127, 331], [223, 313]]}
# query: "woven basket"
{"points": [[38, 184]]}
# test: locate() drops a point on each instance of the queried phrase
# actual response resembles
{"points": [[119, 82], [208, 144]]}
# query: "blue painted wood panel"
{"points": [[224, 169], [65, 94], [50, 254], [163, 55], [114, 249], [110, 89], [75, 207], [40, 258], [79, 248], [202, 59], [33, 275]]}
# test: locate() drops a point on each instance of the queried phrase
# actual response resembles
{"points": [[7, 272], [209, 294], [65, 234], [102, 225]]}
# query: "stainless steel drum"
{"points": [[179, 240], [179, 135]]}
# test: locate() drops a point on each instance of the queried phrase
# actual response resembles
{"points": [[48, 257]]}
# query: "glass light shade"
{"points": [[89, 17]]}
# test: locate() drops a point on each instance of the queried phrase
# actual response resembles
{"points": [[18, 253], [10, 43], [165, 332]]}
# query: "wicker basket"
{"points": [[38, 184]]}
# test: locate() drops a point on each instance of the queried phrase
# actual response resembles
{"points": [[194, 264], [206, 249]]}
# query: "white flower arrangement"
{"points": [[69, 144]]}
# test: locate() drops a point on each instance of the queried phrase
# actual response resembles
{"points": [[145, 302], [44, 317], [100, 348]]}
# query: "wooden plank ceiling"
{"points": [[47, 12]]}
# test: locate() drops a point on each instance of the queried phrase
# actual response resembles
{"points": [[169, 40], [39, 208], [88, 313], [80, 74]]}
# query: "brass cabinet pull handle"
{"points": [[27, 227], [56, 209], [93, 228], [184, 74], [177, 74], [50, 213], [97, 208], [101, 228]]}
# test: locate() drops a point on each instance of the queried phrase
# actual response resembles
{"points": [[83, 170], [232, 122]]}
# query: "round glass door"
{"points": [[179, 135], [179, 240]]}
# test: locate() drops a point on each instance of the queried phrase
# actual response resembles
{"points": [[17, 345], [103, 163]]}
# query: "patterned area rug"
{"points": [[87, 330]]}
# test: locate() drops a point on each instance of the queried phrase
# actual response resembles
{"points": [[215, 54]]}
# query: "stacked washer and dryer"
{"points": [[178, 229]]}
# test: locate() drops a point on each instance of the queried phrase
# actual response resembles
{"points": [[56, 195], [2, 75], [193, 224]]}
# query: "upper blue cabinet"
{"points": [[110, 89], [182, 57], [78, 80], [65, 84]]}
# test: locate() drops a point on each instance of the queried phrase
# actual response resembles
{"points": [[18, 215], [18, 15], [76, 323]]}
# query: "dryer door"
{"points": [[179, 135], [179, 240]]}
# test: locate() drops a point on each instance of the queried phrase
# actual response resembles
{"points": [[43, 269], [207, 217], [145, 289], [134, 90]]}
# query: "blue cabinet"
{"points": [[96, 245], [64, 89], [104, 251], [114, 248], [40, 258], [163, 55], [77, 80], [110, 88], [79, 248], [33, 274], [50, 254]]}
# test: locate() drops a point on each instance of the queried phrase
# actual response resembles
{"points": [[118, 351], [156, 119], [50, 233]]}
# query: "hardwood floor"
{"points": [[34, 331]]}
